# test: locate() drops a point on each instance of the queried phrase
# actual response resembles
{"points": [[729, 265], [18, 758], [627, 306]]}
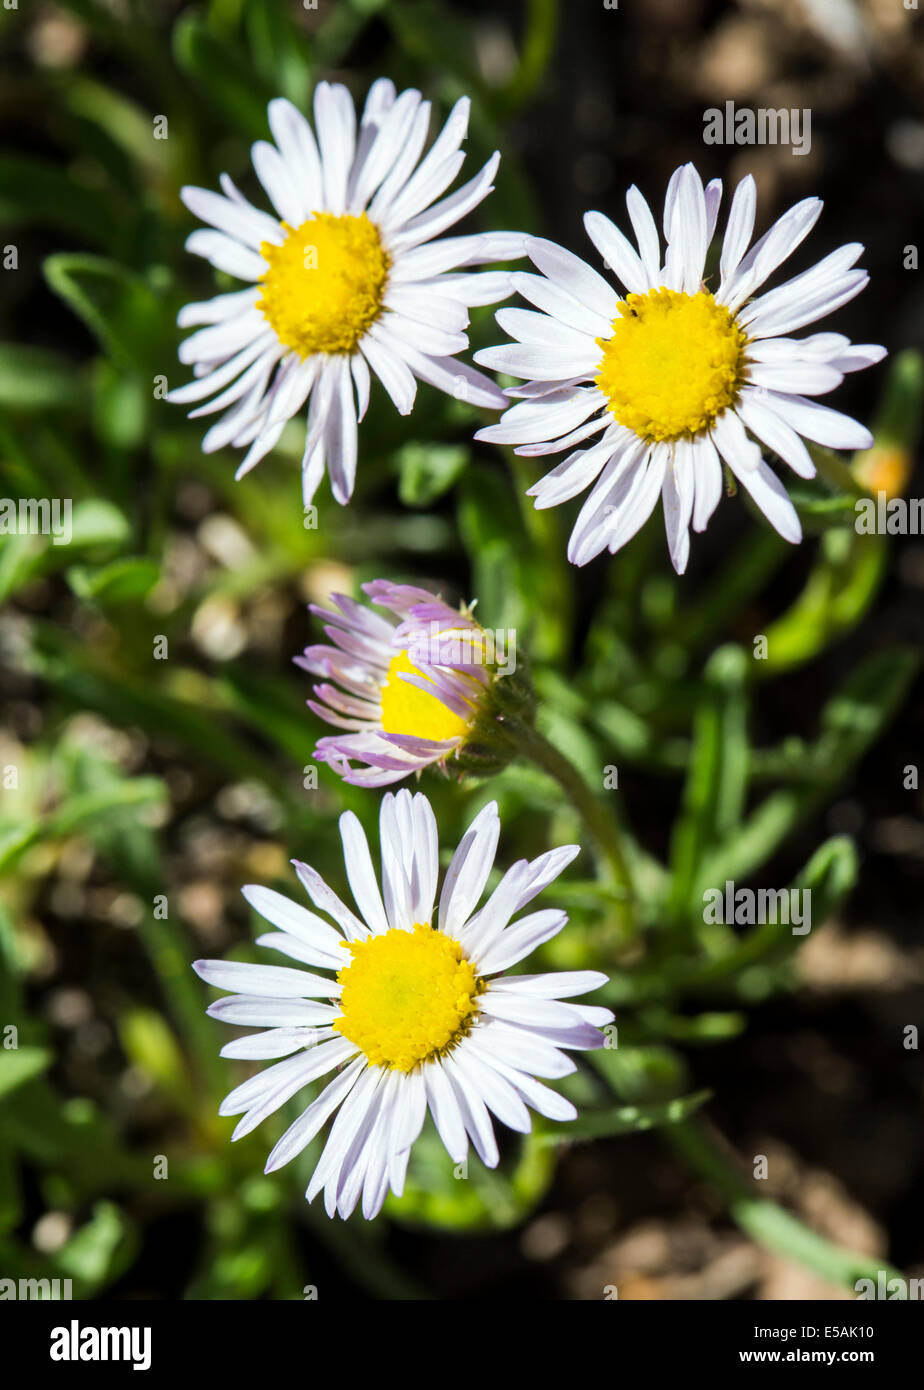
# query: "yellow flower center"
{"points": [[325, 283], [406, 709], [674, 363], [407, 996]]}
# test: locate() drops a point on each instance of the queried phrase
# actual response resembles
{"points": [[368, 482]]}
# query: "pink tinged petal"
{"points": [[739, 229], [520, 939], [573, 275], [326, 899], [360, 872], [819, 422], [677, 500], [771, 497], [775, 433], [468, 871], [707, 473], [291, 917], [226, 254], [474, 1114], [646, 234], [270, 981], [444, 1108], [616, 251], [739, 452], [476, 1065], [301, 1133], [238, 220]]}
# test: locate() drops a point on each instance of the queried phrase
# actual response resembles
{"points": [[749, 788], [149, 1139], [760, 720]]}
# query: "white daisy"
{"points": [[345, 280], [413, 1016], [659, 387]]}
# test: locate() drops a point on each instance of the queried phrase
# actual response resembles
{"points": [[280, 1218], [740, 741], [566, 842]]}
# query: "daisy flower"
{"points": [[409, 690], [651, 391], [412, 1016], [345, 280]]}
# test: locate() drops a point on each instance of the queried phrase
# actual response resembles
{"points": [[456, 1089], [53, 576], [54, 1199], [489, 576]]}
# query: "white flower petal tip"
{"points": [[350, 276], [648, 388], [468, 1048]]}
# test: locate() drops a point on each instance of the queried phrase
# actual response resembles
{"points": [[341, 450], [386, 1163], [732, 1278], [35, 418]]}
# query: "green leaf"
{"points": [[36, 193], [118, 306], [36, 379], [426, 471], [626, 1119], [123, 581], [19, 1065], [222, 73]]}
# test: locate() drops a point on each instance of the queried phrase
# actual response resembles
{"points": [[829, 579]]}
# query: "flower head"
{"points": [[346, 279], [650, 393], [412, 1016], [413, 689]]}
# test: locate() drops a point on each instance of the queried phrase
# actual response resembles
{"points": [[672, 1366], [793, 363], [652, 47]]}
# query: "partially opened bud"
{"points": [[426, 685]]}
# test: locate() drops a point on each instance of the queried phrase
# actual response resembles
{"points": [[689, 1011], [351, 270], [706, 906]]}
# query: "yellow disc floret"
{"points": [[407, 996], [325, 283], [406, 709], [674, 363]]}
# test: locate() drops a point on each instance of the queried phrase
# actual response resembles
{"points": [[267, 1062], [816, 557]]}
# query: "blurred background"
{"points": [[156, 753]]}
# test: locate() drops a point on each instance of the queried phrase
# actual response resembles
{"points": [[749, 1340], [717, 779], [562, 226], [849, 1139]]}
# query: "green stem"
{"points": [[603, 826], [766, 1222]]}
